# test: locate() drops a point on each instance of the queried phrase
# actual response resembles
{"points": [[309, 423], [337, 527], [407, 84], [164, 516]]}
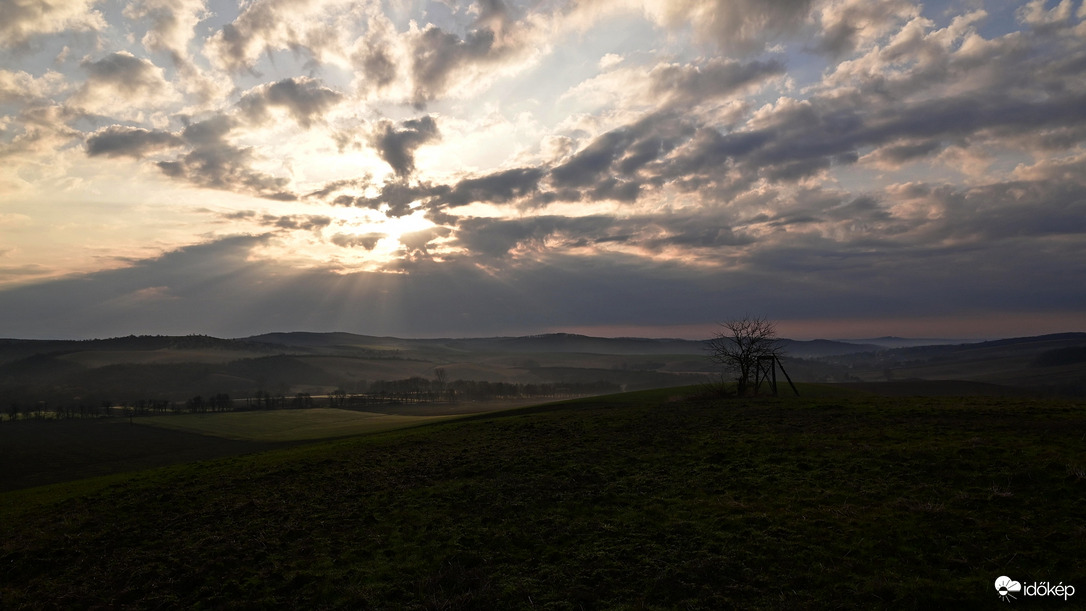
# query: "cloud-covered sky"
{"points": [[847, 168]]}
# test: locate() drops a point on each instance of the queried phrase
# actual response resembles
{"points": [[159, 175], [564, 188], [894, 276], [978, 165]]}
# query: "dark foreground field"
{"points": [[644, 500], [37, 452]]}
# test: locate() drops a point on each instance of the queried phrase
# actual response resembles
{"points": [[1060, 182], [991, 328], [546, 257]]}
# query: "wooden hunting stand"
{"points": [[766, 370]]}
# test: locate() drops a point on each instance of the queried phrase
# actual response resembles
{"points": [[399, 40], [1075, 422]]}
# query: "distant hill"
{"points": [[1047, 363], [179, 367], [545, 343], [905, 342]]}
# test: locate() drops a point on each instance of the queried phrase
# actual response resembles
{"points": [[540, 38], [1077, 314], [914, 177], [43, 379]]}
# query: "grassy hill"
{"points": [[647, 500]]}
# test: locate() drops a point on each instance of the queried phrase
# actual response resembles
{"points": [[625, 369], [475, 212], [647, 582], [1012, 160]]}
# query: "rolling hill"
{"points": [[166, 368]]}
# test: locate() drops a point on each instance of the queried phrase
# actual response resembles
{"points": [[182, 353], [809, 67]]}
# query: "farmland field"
{"points": [[38, 452], [643, 500], [286, 425]]}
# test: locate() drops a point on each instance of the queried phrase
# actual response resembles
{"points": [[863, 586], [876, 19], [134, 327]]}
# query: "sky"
{"points": [[438, 168]]}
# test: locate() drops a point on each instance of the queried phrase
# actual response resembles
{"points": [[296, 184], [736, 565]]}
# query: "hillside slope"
{"points": [[640, 500]]}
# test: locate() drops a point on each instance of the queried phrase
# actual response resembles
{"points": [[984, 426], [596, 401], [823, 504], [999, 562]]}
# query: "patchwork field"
{"points": [[651, 500]]}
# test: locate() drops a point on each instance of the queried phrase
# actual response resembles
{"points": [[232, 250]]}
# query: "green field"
{"points": [[286, 425], [638, 501]]}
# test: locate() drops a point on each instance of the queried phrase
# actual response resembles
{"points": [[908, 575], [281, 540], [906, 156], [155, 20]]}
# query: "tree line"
{"points": [[414, 390]]}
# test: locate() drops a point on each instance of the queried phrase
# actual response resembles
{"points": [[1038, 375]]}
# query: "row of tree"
{"points": [[381, 392]]}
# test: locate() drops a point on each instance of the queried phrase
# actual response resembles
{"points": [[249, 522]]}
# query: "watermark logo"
{"points": [[1007, 588]]}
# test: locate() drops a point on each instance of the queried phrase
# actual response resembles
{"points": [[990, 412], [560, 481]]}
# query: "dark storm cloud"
{"points": [[120, 141], [396, 145], [304, 98]]}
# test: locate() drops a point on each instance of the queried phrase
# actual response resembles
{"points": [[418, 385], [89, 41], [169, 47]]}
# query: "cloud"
{"points": [[125, 72], [172, 23], [438, 54], [494, 42], [592, 162], [493, 239], [498, 187], [397, 145], [850, 24], [741, 26], [302, 26], [120, 141], [615, 162], [1034, 14], [395, 198], [121, 80], [418, 241], [21, 21], [44, 129], [20, 86], [213, 162], [693, 84], [309, 222], [303, 98], [367, 241], [802, 279]]}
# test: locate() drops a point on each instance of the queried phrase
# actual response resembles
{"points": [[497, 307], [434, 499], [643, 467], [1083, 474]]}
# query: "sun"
{"points": [[367, 239]]}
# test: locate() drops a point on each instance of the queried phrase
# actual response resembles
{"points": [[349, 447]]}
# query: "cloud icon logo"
{"points": [[1005, 585]]}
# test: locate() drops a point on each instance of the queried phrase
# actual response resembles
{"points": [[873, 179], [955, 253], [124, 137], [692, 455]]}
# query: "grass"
{"points": [[641, 500], [286, 425], [38, 452]]}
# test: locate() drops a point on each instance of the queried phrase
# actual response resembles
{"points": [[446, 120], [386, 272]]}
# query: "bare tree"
{"points": [[739, 345]]}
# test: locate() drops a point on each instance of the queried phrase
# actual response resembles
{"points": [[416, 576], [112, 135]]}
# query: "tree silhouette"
{"points": [[739, 345]]}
